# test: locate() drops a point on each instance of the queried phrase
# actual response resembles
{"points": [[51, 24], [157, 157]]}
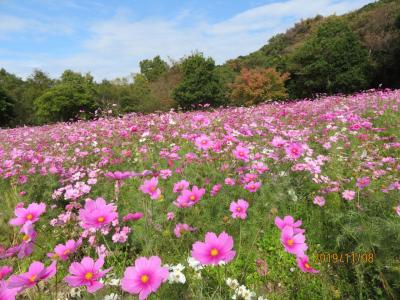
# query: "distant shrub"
{"points": [[258, 85]]}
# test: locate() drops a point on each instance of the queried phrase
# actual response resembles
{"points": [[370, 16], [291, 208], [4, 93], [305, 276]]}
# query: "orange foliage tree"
{"points": [[258, 85]]}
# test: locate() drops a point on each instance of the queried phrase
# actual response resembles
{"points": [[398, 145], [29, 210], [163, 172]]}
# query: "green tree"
{"points": [[73, 94], [138, 99], [332, 60], [6, 108], [200, 84], [152, 69]]}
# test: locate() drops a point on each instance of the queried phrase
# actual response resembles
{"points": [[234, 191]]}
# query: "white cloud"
{"points": [[115, 46]]}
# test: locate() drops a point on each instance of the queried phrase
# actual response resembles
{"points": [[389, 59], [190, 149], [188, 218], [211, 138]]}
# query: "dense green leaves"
{"points": [[6, 108], [200, 84], [74, 94]]}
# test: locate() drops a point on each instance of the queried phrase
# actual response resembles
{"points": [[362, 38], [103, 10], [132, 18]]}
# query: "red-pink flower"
{"points": [[303, 264], [294, 243], [363, 182], [29, 214], [189, 197], [97, 214], [150, 187], [293, 150], [37, 272], [62, 251], [252, 186], [86, 273], [239, 209], [214, 250], [145, 277], [241, 153]]}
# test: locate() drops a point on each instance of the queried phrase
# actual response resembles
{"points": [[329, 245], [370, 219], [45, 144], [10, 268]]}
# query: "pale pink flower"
{"points": [[203, 142], [288, 221], [150, 187], [348, 195], [241, 153], [319, 200], [180, 186], [170, 216], [293, 150], [363, 182], [252, 186], [182, 228]]}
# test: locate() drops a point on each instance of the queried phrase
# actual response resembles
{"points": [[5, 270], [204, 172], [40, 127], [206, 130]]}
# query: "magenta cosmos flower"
{"points": [[294, 243], [241, 153], [7, 293], [363, 182], [293, 150], [203, 142], [214, 249], [118, 175], [37, 272], [62, 252], [97, 214], [4, 271], [182, 228], [252, 186], [189, 197], [29, 214], [145, 277], [150, 187], [239, 209], [303, 264], [86, 273], [288, 221], [180, 186], [133, 216]]}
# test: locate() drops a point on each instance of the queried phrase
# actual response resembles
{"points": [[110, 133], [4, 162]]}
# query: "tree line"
{"points": [[330, 59]]}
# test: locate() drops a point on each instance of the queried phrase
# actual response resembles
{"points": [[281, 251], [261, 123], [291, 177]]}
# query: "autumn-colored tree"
{"points": [[258, 85]]}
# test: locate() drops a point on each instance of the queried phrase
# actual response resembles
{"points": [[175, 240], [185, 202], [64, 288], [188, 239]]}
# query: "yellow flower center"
{"points": [[214, 252], [295, 151], [100, 219], [66, 252], [238, 209], [193, 197], [25, 237], [307, 266], [144, 278], [204, 142], [88, 275], [29, 217], [32, 278], [290, 242], [153, 188]]}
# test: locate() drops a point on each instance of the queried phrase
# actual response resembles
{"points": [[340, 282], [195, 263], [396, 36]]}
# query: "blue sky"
{"points": [[109, 38]]}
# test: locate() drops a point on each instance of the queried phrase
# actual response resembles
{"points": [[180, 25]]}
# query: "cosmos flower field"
{"points": [[296, 200]]}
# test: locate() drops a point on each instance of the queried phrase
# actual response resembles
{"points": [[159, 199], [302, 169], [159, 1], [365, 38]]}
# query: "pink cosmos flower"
{"points": [[165, 173], [229, 181], [133, 216], [294, 243], [63, 251], [182, 228], [278, 142], [215, 189], [150, 187], [29, 214], [397, 208], [214, 249], [118, 175], [86, 273], [288, 221], [241, 153], [26, 247], [319, 200], [4, 271], [203, 142], [303, 264], [363, 182], [189, 197], [7, 293], [252, 186], [180, 186], [145, 277], [97, 214], [348, 195], [239, 209], [170, 216], [37, 272], [293, 150]]}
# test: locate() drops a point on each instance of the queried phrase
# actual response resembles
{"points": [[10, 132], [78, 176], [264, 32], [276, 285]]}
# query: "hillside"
{"points": [[377, 24]]}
